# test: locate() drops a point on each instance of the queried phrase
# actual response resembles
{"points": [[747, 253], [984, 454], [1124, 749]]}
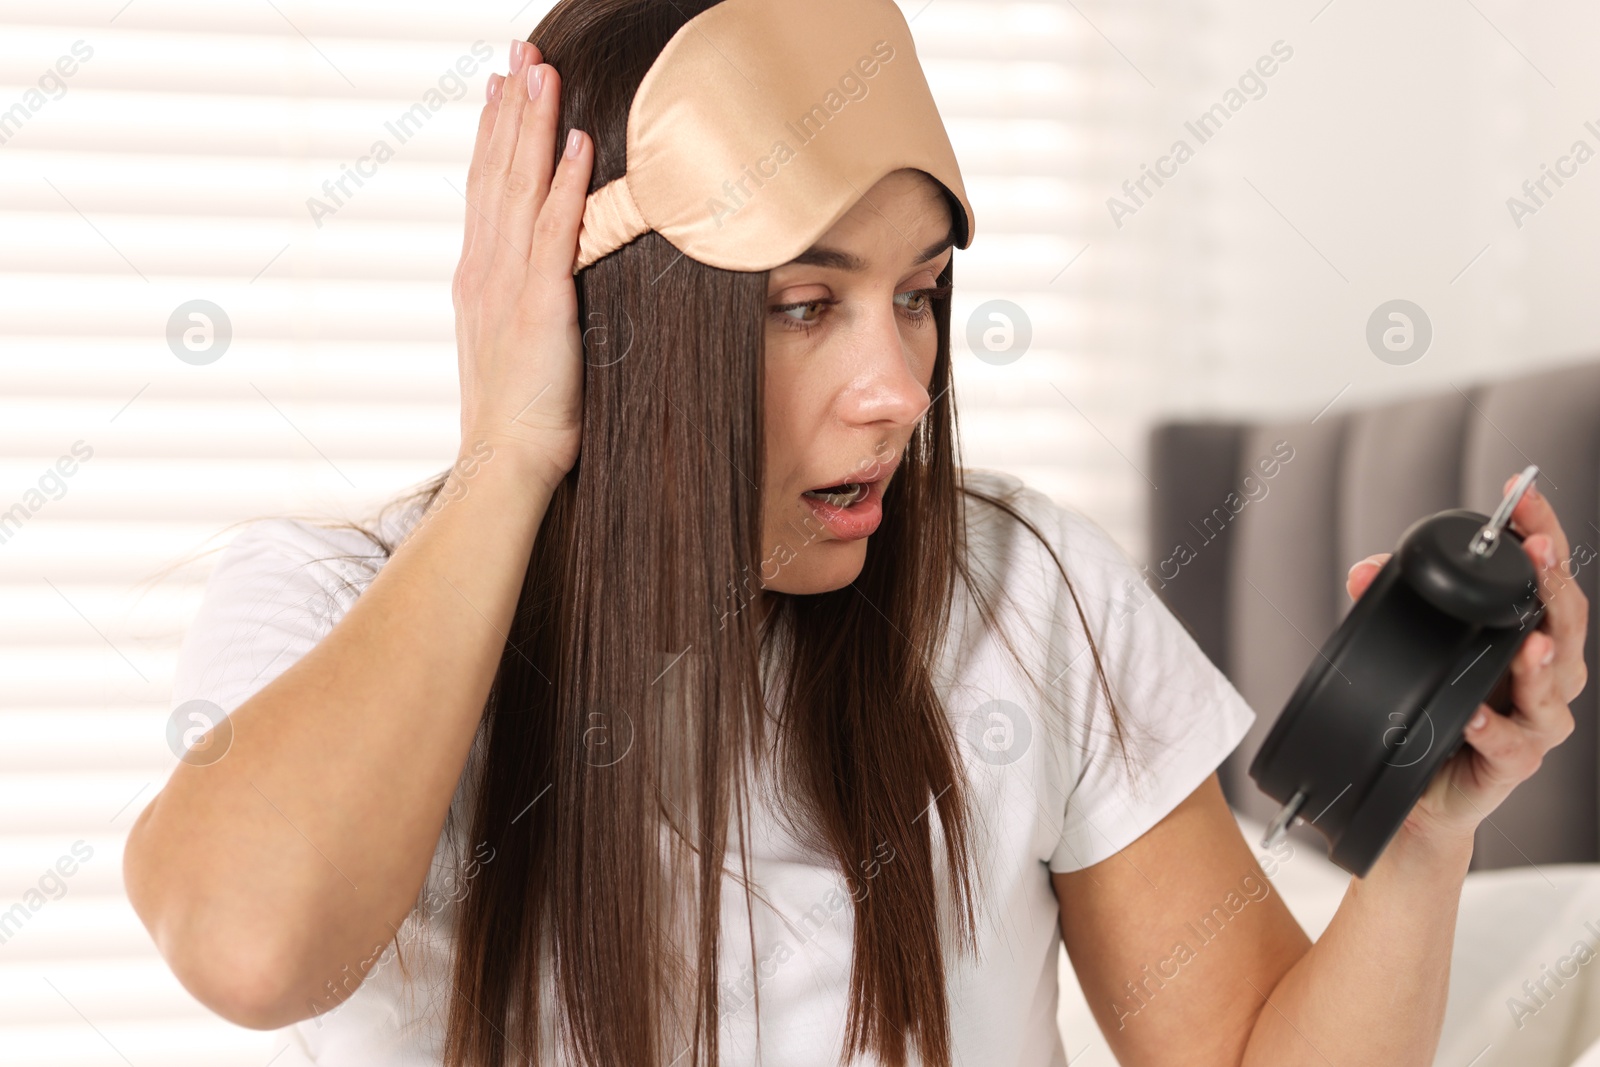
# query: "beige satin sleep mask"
{"points": [[761, 123]]}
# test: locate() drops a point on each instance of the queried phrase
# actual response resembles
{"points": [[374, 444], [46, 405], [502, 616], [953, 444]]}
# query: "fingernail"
{"points": [[1549, 553], [535, 80], [492, 90], [574, 142], [1478, 721], [519, 53], [1549, 653]]}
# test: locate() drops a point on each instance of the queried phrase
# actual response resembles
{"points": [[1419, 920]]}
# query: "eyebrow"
{"points": [[838, 259]]}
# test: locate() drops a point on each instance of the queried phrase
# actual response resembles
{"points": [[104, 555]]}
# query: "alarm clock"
{"points": [[1387, 699]]}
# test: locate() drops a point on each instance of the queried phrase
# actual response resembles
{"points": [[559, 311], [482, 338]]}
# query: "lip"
{"points": [[883, 469], [858, 520], [861, 518]]}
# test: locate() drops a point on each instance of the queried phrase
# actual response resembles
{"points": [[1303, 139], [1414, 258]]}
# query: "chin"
{"points": [[823, 567]]}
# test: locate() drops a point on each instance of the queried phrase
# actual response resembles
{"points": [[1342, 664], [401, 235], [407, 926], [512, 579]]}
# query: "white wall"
{"points": [[177, 162]]}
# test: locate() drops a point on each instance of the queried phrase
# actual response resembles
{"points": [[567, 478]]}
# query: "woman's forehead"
{"points": [[905, 216]]}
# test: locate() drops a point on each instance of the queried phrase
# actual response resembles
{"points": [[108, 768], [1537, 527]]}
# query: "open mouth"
{"points": [[851, 508], [839, 496]]}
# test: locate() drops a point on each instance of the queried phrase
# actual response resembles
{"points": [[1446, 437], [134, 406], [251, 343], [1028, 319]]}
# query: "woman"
{"points": [[707, 705]]}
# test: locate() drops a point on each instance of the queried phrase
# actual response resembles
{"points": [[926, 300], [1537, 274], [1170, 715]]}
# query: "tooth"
{"points": [[854, 495]]}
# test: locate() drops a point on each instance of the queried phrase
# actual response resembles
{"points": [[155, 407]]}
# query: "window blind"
{"points": [[159, 153]]}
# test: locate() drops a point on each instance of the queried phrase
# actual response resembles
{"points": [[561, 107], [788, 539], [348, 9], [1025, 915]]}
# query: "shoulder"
{"points": [[307, 555], [1019, 541], [1121, 675], [1046, 580], [285, 541], [275, 590], [279, 565]]}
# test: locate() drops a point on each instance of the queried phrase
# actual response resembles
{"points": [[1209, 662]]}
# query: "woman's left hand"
{"points": [[1548, 673]]}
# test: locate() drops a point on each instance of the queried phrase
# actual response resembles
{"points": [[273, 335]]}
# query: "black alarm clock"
{"points": [[1388, 697]]}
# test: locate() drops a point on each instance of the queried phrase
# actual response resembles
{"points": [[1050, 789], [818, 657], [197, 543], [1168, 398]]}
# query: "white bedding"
{"points": [[1513, 924]]}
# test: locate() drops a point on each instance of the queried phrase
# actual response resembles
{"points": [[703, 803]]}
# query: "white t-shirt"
{"points": [[1049, 790]]}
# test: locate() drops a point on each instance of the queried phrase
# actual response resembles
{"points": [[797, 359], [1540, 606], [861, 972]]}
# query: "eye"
{"points": [[923, 298], [918, 308], [783, 312]]}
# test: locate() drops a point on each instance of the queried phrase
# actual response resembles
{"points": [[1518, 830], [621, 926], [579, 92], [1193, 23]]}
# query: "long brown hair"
{"points": [[629, 710]]}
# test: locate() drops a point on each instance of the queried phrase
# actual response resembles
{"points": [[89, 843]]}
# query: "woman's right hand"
{"points": [[517, 336]]}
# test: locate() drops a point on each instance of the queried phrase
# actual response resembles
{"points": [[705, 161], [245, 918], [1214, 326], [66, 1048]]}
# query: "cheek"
{"points": [[782, 400], [923, 348]]}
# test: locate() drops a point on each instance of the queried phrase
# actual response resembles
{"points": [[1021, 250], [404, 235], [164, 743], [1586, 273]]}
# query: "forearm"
{"points": [[307, 844], [1372, 989]]}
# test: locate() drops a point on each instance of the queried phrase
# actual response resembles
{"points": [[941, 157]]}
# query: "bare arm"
{"points": [[1180, 942], [1171, 937], [1188, 956], [1373, 988], [261, 876]]}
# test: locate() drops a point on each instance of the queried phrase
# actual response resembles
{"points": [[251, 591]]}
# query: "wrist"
{"points": [[1421, 845], [537, 463]]}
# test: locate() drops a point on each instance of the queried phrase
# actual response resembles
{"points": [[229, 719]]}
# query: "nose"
{"points": [[887, 383]]}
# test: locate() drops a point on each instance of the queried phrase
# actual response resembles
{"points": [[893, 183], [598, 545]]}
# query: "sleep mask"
{"points": [[761, 123]]}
